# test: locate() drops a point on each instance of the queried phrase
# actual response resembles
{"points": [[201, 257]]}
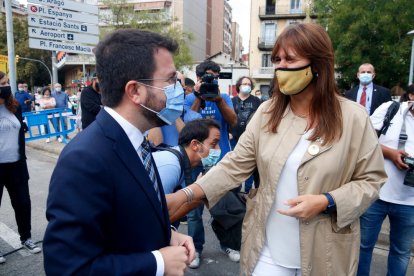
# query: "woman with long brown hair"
{"points": [[14, 174], [319, 163]]}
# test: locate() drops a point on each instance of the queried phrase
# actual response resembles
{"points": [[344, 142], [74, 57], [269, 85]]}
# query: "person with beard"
{"points": [[319, 162], [90, 102], [106, 207], [13, 166]]}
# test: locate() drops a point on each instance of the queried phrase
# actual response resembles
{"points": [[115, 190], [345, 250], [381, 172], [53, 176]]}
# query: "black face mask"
{"points": [[5, 92], [97, 86]]}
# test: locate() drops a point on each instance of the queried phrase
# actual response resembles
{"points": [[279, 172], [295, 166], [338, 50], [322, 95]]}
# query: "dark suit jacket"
{"points": [[103, 212], [380, 95], [90, 105]]}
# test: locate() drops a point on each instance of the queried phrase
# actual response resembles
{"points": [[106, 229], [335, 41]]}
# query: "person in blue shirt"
{"points": [[196, 140], [24, 98], [61, 99], [219, 108]]}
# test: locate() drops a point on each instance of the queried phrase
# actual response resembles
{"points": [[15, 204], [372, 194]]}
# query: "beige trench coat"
{"points": [[352, 170]]}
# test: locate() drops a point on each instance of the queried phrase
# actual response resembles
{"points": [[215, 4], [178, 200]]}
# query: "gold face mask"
{"points": [[294, 80]]}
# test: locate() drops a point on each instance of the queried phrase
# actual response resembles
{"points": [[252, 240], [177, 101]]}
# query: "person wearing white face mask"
{"points": [[367, 93], [62, 100]]}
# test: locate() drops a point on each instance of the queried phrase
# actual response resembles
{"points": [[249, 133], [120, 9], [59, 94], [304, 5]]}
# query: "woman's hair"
{"points": [[311, 41], [11, 103], [46, 89], [240, 80]]}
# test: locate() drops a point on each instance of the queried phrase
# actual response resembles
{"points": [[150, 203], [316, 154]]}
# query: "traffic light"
{"points": [[17, 58]]}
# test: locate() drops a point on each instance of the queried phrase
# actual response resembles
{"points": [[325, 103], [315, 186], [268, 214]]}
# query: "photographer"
{"points": [[397, 195], [207, 100]]}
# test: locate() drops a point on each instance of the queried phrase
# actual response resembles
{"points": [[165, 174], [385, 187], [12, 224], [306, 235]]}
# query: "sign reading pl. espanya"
{"points": [[63, 25]]}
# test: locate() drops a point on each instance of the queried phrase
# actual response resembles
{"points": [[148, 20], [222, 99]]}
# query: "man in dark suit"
{"points": [[367, 93], [106, 206]]}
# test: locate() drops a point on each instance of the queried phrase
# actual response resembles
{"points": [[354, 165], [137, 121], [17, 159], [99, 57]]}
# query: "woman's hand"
{"points": [[305, 207]]}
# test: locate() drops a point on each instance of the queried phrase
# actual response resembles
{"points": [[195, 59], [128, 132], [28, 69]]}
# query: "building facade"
{"points": [[268, 19]]}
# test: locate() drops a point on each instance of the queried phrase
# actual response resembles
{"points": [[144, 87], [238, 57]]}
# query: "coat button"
{"points": [[306, 178]]}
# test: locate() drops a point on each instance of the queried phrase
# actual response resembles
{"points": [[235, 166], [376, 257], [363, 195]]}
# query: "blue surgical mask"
{"points": [[245, 89], [365, 78], [212, 158], [174, 104]]}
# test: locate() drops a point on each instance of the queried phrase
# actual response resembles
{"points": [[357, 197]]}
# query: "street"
{"points": [[41, 165]]}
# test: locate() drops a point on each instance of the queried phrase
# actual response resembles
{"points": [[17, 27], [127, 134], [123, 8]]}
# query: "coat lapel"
{"points": [[129, 156]]}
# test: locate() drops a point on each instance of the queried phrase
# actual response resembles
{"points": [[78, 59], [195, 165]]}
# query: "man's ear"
{"points": [[195, 145], [135, 92], [373, 75]]}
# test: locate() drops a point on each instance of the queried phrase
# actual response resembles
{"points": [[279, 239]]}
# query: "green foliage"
{"points": [[32, 72], [369, 31], [120, 14]]}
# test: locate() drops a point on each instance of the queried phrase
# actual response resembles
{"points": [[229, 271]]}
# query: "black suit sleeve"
{"points": [[79, 208], [90, 103]]}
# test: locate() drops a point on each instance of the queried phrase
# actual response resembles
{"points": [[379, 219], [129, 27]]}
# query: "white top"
{"points": [[136, 138], [9, 136], [394, 190], [282, 232], [370, 88]]}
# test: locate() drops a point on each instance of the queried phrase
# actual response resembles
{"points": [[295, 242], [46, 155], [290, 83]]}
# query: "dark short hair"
{"points": [[189, 82], [198, 129], [126, 55], [239, 82], [207, 65], [46, 89]]}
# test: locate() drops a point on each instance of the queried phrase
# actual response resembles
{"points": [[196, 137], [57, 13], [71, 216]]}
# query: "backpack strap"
{"points": [[392, 110]]}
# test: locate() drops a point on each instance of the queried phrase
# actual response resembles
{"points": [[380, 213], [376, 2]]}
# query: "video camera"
{"points": [[209, 87]]}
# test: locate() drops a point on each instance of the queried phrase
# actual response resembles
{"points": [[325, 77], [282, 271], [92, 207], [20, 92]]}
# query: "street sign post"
{"points": [[68, 5], [60, 46], [63, 25], [66, 36], [51, 23], [62, 14]]}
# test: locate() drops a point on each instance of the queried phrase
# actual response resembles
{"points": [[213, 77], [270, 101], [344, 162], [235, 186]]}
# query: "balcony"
{"points": [[266, 44], [280, 12], [263, 73]]}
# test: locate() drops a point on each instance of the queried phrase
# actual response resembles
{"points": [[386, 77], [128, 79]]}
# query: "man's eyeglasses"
{"points": [[172, 80]]}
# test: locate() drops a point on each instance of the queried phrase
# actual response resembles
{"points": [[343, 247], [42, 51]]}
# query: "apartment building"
{"points": [[267, 21], [237, 43], [18, 10]]}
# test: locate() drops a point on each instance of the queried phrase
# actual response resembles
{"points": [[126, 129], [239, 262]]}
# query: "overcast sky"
{"points": [[240, 13]]}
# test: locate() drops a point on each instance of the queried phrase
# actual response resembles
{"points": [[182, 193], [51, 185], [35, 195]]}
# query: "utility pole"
{"points": [[54, 70], [10, 45]]}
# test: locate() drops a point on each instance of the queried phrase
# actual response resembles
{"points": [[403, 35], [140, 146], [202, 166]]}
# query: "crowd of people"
{"points": [[298, 184]]}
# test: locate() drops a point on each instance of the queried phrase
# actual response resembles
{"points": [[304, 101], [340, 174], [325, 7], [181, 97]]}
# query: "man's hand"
{"points": [[396, 157], [178, 239], [175, 258], [305, 207]]}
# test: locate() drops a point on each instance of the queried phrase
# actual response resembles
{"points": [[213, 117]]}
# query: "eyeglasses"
{"points": [[172, 79]]}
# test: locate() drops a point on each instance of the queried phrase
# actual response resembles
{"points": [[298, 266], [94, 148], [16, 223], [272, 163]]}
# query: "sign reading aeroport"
{"points": [[63, 25]]}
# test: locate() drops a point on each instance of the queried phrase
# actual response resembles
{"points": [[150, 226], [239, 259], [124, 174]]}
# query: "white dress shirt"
{"points": [[136, 138], [370, 88]]}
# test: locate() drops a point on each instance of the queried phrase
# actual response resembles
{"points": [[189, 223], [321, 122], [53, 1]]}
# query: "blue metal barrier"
{"points": [[42, 118]]}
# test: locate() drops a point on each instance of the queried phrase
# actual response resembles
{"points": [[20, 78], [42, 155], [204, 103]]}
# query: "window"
{"points": [[270, 6], [266, 60], [269, 33], [295, 6]]}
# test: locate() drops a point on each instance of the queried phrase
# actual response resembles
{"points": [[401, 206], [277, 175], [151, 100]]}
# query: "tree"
{"points": [[369, 31], [120, 14], [31, 72]]}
